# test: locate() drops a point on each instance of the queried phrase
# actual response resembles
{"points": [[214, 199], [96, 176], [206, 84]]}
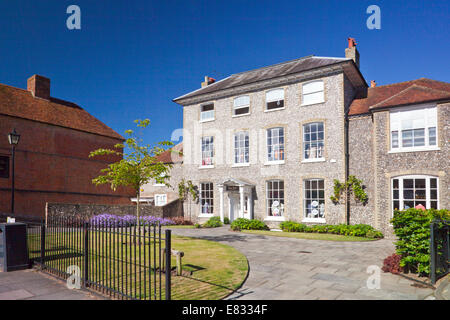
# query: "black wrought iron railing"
{"points": [[118, 259], [439, 249]]}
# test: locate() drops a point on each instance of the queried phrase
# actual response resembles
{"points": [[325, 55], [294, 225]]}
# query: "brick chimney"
{"points": [[39, 86], [373, 83], [351, 52], [208, 81]]}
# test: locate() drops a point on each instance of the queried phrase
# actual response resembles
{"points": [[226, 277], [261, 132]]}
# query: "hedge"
{"points": [[412, 227], [357, 230], [248, 224]]}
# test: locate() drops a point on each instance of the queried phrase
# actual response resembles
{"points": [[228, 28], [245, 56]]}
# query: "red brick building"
{"points": [[51, 159]]}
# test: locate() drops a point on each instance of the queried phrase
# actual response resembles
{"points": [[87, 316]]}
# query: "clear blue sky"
{"points": [[131, 58]]}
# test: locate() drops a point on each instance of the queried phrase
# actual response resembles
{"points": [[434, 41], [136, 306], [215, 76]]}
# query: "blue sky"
{"points": [[131, 58]]}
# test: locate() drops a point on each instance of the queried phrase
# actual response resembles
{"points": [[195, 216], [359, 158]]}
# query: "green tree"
{"points": [[139, 164], [187, 191]]}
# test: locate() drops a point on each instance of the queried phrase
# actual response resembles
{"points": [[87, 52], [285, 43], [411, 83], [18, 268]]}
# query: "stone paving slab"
{"points": [[280, 268], [33, 285]]}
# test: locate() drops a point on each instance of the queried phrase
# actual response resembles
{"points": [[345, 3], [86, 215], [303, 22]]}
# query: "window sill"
{"points": [[208, 120], [272, 110], [237, 165], [314, 220], [311, 104], [276, 218], [240, 115], [313, 160], [206, 167], [271, 163], [159, 185], [414, 150], [205, 215]]}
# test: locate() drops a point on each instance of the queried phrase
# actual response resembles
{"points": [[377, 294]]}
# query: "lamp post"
{"points": [[13, 139]]}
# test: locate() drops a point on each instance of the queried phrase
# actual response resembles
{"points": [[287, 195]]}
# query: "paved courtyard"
{"points": [[287, 268], [33, 285]]}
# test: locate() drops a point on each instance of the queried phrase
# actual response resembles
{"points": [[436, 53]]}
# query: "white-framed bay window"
{"points": [[207, 112], [275, 99], [413, 128], [275, 198], [207, 145], [314, 200], [206, 198], [412, 190], [241, 106], [275, 145], [313, 92], [313, 141], [241, 148]]}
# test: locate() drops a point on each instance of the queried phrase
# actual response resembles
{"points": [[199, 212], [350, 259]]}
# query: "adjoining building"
{"points": [[51, 161], [269, 143]]}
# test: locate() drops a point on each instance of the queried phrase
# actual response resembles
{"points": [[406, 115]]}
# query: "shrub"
{"points": [[392, 264], [213, 222], [226, 220], [247, 224], [180, 221], [357, 230], [197, 225], [412, 227]]}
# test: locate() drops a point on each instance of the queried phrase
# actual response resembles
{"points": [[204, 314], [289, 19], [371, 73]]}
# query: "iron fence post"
{"points": [[432, 254], [86, 254], [168, 263], [42, 244]]}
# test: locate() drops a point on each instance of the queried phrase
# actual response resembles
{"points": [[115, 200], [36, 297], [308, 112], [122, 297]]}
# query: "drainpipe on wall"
{"points": [[347, 165]]}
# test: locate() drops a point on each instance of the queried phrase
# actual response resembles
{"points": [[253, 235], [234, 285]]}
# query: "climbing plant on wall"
{"points": [[352, 186]]}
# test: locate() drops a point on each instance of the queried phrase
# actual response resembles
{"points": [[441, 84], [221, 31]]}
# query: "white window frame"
{"points": [[401, 199], [397, 115], [279, 161], [210, 150], [321, 207], [281, 216], [317, 141], [206, 116], [157, 202], [269, 100], [243, 147], [313, 92], [241, 106], [210, 197]]}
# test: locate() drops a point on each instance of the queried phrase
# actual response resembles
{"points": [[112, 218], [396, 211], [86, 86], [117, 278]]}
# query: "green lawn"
{"points": [[310, 236], [217, 269]]}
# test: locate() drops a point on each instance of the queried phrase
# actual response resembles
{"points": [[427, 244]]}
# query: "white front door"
{"points": [[234, 207]]}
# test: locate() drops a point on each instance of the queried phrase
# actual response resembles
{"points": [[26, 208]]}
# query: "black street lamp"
{"points": [[13, 139]]}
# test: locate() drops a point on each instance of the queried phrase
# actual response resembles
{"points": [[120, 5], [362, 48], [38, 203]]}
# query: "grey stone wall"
{"points": [[293, 171], [87, 211]]}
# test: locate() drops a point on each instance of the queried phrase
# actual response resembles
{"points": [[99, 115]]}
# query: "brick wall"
{"points": [[52, 165]]}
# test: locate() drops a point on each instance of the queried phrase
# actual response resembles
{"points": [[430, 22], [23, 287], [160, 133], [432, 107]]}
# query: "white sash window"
{"points": [[312, 92]]}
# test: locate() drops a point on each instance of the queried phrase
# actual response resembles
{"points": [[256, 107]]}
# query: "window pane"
{"points": [[275, 95], [433, 183], [275, 198], [313, 145], [243, 110], [242, 101], [206, 198], [314, 199], [312, 98], [420, 183], [433, 204], [395, 183], [432, 136], [394, 139], [311, 87], [275, 105], [408, 183], [433, 194]]}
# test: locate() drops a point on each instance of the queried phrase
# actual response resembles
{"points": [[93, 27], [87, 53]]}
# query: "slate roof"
{"points": [[21, 103], [266, 73], [398, 94]]}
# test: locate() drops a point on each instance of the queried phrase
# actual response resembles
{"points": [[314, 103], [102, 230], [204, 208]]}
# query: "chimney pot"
{"points": [[39, 86], [208, 81], [373, 83]]}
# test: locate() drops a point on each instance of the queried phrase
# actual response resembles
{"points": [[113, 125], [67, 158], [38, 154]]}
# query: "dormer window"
{"points": [[312, 92], [207, 112], [241, 106], [275, 99]]}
